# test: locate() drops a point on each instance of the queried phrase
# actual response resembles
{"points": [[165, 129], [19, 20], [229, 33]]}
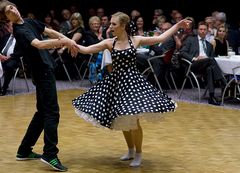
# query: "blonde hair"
{"points": [[78, 17], [124, 19], [94, 18], [225, 28], [161, 19]]}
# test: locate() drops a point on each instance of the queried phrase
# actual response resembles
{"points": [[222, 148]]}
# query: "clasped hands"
{"points": [[69, 44]]}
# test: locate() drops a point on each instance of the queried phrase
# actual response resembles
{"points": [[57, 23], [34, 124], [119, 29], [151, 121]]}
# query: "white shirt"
{"points": [[201, 49], [11, 48]]}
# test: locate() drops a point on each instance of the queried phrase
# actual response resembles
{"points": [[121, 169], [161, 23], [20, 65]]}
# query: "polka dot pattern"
{"points": [[124, 92]]}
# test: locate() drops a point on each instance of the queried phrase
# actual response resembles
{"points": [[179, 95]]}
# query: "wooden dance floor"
{"points": [[194, 139]]}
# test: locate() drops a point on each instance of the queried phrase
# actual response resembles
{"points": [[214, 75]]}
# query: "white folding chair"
{"points": [[59, 58], [236, 81], [150, 69], [85, 66], [189, 75]]}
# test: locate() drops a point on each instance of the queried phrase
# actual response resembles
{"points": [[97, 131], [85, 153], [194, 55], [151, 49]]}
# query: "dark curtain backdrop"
{"points": [[196, 8]]}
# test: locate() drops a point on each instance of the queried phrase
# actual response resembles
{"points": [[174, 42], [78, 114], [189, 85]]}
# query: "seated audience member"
{"points": [[159, 22], [65, 25], [177, 17], [77, 27], [140, 28], [156, 14], [92, 36], [31, 15], [76, 34], [200, 52], [134, 14], [100, 12], [183, 34], [9, 57], [49, 22], [220, 43], [73, 9], [233, 35], [52, 13], [172, 15], [167, 45], [104, 29], [211, 29], [162, 66]]}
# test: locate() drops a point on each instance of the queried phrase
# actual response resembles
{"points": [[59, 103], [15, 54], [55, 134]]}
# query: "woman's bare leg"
{"points": [[130, 143], [137, 139]]}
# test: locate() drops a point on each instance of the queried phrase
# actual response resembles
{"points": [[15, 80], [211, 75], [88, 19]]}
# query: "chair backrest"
{"points": [[154, 62], [168, 56], [154, 67]]}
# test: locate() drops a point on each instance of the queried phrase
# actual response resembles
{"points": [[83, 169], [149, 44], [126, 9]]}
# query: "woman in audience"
{"points": [[140, 26], [121, 98], [160, 21], [93, 35], [48, 21], [76, 34], [220, 43]]}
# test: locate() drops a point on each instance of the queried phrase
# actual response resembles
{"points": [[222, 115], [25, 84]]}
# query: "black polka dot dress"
{"points": [[123, 96]]}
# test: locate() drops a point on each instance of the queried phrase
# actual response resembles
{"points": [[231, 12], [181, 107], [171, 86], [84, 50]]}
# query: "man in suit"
{"points": [[200, 52], [9, 57]]}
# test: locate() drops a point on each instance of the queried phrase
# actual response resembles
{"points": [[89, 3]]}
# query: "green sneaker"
{"points": [[55, 164], [31, 156]]}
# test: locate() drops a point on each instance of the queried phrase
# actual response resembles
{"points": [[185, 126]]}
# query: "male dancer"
{"points": [[28, 34]]}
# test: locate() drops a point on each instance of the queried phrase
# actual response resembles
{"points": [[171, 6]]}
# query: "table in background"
{"points": [[230, 65]]}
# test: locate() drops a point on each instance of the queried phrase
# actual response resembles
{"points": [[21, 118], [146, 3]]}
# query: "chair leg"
{"points": [[225, 89], [205, 92], [166, 79], [68, 76], [14, 81], [173, 81], [64, 67], [198, 86], [87, 68], [24, 73], [79, 75], [183, 85], [160, 88]]}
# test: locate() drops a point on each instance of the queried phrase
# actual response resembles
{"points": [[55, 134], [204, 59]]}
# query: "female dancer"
{"points": [[118, 101]]}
